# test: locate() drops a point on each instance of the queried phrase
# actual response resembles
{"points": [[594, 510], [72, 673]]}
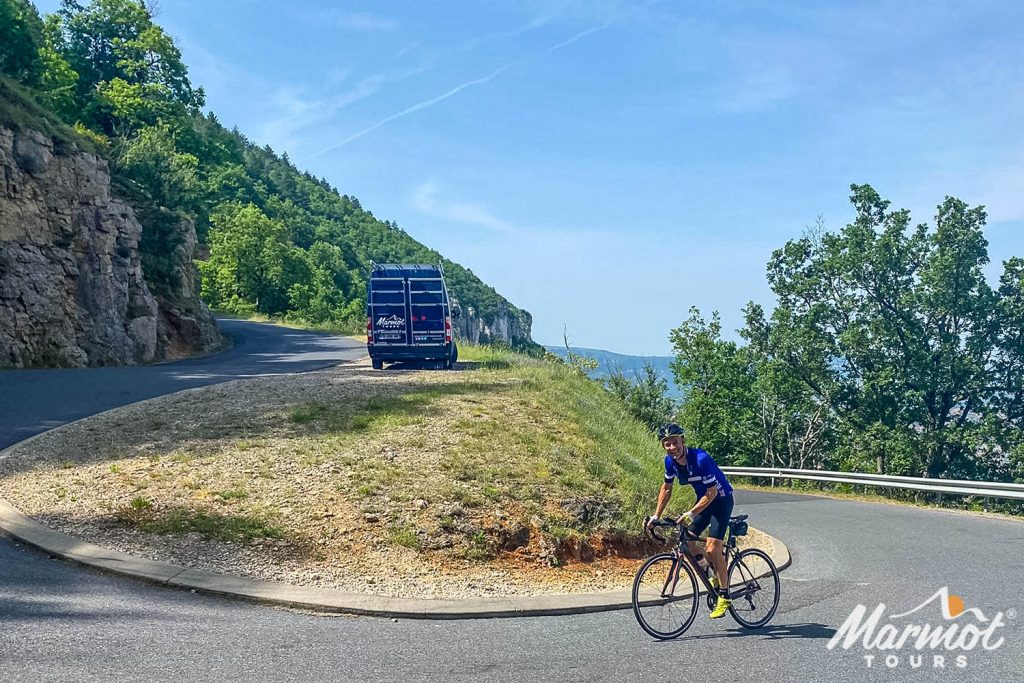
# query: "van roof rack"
{"points": [[416, 270]]}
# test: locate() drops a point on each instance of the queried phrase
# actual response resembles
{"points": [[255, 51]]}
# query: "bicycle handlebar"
{"points": [[664, 524]]}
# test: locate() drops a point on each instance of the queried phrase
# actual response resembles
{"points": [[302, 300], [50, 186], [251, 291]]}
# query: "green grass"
{"points": [[490, 449], [406, 537], [232, 494], [521, 430], [235, 528]]}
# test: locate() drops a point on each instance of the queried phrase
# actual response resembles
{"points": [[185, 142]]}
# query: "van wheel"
{"points": [[378, 364]]}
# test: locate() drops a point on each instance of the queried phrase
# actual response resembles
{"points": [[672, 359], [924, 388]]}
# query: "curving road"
{"points": [[60, 621]]}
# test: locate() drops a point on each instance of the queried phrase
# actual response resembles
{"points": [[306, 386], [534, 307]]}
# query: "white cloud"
{"points": [[426, 199]]}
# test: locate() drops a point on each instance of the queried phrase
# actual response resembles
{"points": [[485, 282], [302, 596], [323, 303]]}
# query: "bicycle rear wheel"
{"points": [[754, 587], [665, 596]]}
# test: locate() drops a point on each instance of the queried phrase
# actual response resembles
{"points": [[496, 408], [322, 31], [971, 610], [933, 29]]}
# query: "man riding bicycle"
{"points": [[712, 509]]}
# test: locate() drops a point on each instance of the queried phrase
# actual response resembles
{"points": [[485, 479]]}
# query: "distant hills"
{"points": [[629, 365]]}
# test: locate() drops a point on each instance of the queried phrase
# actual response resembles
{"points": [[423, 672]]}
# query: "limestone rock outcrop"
{"points": [[72, 287], [506, 323]]}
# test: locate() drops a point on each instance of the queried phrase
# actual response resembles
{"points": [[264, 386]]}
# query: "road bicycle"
{"points": [[666, 591]]}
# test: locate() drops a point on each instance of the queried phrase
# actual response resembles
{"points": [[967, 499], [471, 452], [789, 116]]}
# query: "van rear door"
{"points": [[388, 311], [427, 311]]}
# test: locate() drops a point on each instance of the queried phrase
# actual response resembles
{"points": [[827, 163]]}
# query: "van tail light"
{"points": [[447, 329], [369, 330]]}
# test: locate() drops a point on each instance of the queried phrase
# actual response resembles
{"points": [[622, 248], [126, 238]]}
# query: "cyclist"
{"points": [[713, 507]]}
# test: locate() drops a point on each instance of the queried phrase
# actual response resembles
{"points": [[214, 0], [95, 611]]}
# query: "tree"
{"points": [[715, 377], [58, 81], [895, 329], [21, 36], [646, 396], [168, 176], [130, 72], [252, 266]]}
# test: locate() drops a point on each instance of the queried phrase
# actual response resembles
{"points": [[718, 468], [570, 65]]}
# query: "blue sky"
{"points": [[607, 164]]}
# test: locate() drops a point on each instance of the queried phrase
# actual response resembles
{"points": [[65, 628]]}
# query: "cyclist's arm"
{"points": [[663, 497], [705, 500]]}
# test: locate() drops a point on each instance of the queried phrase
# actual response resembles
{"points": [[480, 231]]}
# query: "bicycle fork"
{"points": [[669, 589]]}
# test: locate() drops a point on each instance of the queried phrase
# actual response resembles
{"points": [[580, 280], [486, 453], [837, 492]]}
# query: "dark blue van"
{"points": [[408, 315]]}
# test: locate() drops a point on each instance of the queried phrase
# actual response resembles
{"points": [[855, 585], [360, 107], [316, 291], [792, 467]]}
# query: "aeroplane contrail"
{"points": [[454, 91], [578, 36], [414, 108]]}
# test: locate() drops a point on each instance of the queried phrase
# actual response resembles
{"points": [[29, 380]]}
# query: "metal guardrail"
{"points": [[956, 487]]}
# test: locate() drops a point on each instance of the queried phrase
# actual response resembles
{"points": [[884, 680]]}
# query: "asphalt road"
{"points": [[59, 621], [32, 401]]}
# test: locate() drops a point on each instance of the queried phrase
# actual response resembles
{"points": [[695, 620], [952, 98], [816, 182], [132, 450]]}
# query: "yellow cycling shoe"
{"points": [[721, 607]]}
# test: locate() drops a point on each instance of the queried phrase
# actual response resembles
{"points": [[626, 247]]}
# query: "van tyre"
{"points": [[377, 364]]}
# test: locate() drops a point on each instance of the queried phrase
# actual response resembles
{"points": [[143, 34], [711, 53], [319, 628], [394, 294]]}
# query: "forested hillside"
{"points": [[279, 241]]}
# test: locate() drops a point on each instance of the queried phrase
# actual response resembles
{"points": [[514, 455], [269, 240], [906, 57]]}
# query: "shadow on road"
{"points": [[34, 587], [773, 632]]}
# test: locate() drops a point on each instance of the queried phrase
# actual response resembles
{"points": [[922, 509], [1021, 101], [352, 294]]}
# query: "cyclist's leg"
{"points": [[721, 509], [700, 522]]}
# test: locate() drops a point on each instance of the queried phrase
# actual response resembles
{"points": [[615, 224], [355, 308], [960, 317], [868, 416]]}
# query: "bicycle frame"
{"points": [[682, 550]]}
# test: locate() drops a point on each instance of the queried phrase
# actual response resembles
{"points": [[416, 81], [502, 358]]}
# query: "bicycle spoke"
{"points": [[754, 587], [663, 600]]}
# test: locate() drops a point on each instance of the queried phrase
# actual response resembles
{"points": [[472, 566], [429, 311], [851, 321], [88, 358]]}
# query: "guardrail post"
{"points": [[986, 504]]}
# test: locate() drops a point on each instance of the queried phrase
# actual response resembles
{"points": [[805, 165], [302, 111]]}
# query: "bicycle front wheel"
{"points": [[754, 588], [665, 596]]}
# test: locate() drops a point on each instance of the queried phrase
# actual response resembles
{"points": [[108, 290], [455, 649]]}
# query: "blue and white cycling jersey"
{"points": [[701, 472]]}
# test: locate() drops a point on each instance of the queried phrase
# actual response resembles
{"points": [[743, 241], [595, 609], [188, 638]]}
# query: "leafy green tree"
{"points": [[169, 177], [329, 293], [646, 395], [21, 36], [58, 81], [130, 72], [894, 328], [252, 265], [792, 426], [1008, 400], [717, 383]]}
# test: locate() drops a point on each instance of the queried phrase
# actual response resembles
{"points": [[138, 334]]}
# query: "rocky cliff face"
{"points": [[72, 290], [506, 324]]}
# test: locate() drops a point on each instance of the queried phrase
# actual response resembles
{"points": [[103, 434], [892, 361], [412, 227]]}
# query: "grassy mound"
{"points": [[553, 453], [331, 476]]}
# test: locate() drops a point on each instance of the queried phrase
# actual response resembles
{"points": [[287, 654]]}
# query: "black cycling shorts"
{"points": [[716, 515]]}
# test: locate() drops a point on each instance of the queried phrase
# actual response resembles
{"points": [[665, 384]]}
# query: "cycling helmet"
{"points": [[669, 430]]}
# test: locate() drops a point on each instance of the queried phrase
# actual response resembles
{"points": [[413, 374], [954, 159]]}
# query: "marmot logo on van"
{"points": [[392, 323]]}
